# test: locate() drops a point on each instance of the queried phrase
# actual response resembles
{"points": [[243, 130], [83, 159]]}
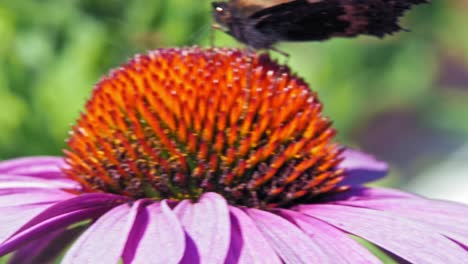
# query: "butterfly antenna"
{"points": [[406, 29]]}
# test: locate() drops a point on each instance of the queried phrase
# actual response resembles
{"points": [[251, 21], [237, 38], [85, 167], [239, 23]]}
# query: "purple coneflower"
{"points": [[213, 156]]}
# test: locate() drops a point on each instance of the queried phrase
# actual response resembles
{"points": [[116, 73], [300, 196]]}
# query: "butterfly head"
{"points": [[222, 13]]}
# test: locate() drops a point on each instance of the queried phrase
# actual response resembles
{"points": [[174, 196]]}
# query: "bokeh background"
{"points": [[403, 98]]}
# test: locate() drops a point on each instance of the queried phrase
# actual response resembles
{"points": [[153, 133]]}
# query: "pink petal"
{"points": [[35, 196], [47, 249], [361, 168], [413, 241], [448, 218], [19, 208], [84, 201], [104, 241], [9, 182], [41, 167], [248, 245], [289, 242], [57, 216], [438, 210], [207, 228], [157, 237], [13, 218], [42, 229], [365, 193], [332, 241]]}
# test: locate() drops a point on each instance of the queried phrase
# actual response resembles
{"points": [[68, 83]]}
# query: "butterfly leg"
{"points": [[280, 52]]}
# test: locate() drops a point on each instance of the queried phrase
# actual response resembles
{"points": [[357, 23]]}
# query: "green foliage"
{"points": [[52, 52]]}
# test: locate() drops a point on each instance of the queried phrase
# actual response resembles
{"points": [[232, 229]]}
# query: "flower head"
{"points": [[176, 124], [212, 156]]}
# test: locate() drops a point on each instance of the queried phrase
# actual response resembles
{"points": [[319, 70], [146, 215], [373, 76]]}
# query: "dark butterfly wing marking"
{"points": [[303, 20]]}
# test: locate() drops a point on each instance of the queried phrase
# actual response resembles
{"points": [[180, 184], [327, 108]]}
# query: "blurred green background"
{"points": [[403, 98]]}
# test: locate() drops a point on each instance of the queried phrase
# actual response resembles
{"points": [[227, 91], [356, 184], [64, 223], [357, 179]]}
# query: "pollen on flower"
{"points": [[176, 123]]}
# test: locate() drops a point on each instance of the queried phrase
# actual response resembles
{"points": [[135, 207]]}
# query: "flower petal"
{"points": [[156, 232], [358, 193], [248, 245], [47, 249], [9, 182], [413, 241], [289, 242], [19, 208], [448, 218], [207, 228], [104, 241], [85, 201], [35, 196], [331, 240], [41, 167], [14, 217], [59, 215], [361, 168], [40, 230]]}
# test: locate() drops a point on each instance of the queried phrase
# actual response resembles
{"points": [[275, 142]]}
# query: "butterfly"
{"points": [[262, 23]]}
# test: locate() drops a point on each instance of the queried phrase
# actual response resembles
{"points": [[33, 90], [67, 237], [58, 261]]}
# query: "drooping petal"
{"points": [[289, 242], [410, 240], [60, 215], [438, 209], [361, 168], [207, 228], [17, 209], [248, 245], [84, 201], [9, 183], [14, 217], [35, 196], [448, 218], [41, 167], [365, 193], [40, 230], [331, 240], [48, 248], [156, 237], [104, 241]]}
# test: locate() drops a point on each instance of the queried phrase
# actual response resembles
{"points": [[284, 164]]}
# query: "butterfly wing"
{"points": [[304, 20]]}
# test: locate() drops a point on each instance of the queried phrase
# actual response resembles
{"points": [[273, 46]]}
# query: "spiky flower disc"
{"points": [[177, 123]]}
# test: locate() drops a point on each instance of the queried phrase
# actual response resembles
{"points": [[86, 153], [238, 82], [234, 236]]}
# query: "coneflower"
{"points": [[189, 155]]}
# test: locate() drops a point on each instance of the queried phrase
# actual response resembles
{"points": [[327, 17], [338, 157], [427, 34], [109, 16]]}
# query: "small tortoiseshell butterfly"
{"points": [[262, 23]]}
